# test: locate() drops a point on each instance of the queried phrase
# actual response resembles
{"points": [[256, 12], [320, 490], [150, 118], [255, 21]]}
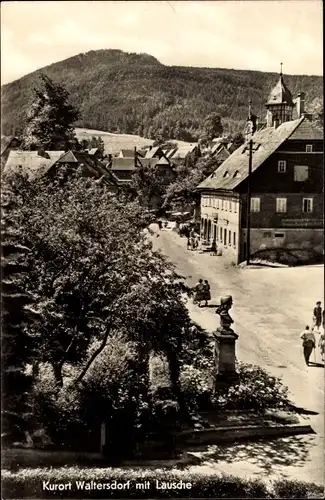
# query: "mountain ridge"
{"points": [[117, 91]]}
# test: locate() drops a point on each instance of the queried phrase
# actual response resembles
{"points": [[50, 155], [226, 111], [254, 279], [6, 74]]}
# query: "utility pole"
{"points": [[248, 213]]}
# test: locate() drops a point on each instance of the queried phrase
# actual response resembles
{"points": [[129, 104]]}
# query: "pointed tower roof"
{"points": [[280, 94]]}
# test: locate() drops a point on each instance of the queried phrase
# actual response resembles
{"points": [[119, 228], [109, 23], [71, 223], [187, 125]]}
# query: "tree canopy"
{"points": [[50, 118]]}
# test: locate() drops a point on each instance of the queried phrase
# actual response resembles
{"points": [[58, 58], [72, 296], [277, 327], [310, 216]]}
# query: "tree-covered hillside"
{"points": [[136, 94]]}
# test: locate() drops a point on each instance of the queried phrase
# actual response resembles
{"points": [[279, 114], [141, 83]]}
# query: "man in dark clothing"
{"points": [[308, 343], [317, 315]]}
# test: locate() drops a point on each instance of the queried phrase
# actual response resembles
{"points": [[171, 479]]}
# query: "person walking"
{"points": [[188, 243], [317, 315], [321, 344], [206, 292], [199, 292], [159, 224], [308, 343]]}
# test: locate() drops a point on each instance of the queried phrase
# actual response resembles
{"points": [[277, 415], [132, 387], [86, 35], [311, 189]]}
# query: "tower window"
{"points": [[309, 148], [282, 166]]}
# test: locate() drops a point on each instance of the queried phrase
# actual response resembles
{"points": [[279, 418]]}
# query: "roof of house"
{"points": [[307, 132], [127, 153], [6, 141], [31, 162], [152, 152], [171, 152], [280, 94], [183, 151], [122, 164], [93, 151], [235, 168]]}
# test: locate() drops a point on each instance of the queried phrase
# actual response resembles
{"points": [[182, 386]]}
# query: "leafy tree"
{"points": [[93, 272], [97, 142], [317, 110], [16, 345], [182, 192], [146, 185], [211, 127], [50, 118]]}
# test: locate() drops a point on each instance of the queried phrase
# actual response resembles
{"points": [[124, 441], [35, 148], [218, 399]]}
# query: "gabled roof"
{"points": [[171, 152], [307, 132], [93, 151], [127, 153], [235, 168], [152, 152], [122, 164], [6, 141], [31, 163], [183, 151]]}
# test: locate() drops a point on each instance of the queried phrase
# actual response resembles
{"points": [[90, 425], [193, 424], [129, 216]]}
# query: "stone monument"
{"points": [[225, 345]]}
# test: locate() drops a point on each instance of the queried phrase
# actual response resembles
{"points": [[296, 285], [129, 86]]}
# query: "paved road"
{"points": [[271, 308]]}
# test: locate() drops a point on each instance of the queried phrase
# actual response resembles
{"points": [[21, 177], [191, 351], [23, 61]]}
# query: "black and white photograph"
{"points": [[162, 249]]}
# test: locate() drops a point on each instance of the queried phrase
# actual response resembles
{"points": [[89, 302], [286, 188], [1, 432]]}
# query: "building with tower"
{"points": [[286, 184]]}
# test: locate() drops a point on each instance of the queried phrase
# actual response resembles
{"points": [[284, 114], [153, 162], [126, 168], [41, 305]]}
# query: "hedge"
{"points": [[122, 483]]}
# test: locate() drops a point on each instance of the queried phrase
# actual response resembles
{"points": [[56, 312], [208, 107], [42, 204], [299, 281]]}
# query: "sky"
{"points": [[256, 35]]}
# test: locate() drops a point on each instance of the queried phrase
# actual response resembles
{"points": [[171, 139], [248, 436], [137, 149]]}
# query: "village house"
{"points": [[36, 164], [286, 184], [185, 152]]}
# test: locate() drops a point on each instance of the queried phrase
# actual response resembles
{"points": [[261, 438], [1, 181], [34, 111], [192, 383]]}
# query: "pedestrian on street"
{"points": [[196, 243], [206, 292], [321, 344], [188, 243], [317, 315], [308, 343], [199, 292], [160, 224]]}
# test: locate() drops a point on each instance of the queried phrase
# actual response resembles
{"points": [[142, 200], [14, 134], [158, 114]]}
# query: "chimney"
{"points": [[300, 104]]}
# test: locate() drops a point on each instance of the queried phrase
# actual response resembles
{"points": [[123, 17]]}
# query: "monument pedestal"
{"points": [[225, 357]]}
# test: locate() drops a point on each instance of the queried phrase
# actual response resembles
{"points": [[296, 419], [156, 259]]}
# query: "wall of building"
{"points": [[285, 238], [220, 219], [293, 217]]}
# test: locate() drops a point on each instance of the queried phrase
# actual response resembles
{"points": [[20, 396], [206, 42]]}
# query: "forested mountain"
{"points": [[136, 94]]}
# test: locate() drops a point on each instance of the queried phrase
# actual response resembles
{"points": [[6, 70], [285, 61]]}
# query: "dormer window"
{"points": [[309, 148], [282, 166], [236, 174], [226, 174]]}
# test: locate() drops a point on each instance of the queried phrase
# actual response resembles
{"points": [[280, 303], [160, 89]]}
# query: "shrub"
{"points": [[196, 385], [297, 489], [253, 381], [27, 483], [112, 391]]}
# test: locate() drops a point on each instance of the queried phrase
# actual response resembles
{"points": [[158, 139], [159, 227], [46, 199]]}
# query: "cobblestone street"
{"points": [[271, 308]]}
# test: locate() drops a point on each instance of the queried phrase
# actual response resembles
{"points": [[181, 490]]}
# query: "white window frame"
{"points": [[310, 208], [282, 166], [309, 148], [222, 204], [235, 207], [255, 204], [281, 205], [230, 206]]}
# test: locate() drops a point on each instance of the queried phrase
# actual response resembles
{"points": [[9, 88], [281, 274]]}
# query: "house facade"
{"points": [[286, 186]]}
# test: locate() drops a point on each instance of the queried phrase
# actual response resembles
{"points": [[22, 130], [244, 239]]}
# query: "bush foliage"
{"points": [[28, 483]]}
